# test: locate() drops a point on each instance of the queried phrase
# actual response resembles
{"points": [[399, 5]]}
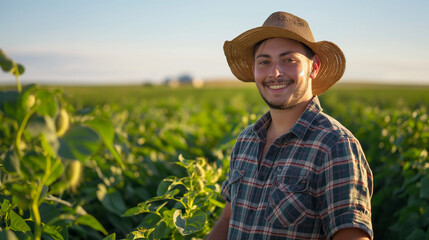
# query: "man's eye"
{"points": [[264, 62], [290, 60]]}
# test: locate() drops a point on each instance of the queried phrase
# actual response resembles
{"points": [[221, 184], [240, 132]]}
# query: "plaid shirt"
{"points": [[313, 181]]}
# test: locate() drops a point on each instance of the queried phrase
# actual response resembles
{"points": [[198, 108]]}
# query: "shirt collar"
{"points": [[304, 122], [299, 128]]}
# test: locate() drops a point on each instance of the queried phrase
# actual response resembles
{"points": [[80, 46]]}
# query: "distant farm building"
{"points": [[184, 80]]}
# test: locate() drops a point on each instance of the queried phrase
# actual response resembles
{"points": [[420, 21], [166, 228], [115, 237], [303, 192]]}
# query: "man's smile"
{"points": [[278, 85], [275, 87]]}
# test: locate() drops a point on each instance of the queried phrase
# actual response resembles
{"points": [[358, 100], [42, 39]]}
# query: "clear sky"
{"points": [[131, 41]]}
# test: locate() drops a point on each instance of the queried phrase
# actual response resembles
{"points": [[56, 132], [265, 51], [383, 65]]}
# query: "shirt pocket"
{"points": [[288, 201], [236, 177]]}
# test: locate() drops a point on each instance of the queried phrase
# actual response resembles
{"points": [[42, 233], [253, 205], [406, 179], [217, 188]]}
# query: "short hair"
{"points": [[308, 51]]}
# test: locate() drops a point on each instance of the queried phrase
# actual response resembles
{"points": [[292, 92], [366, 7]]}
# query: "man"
{"points": [[296, 173]]}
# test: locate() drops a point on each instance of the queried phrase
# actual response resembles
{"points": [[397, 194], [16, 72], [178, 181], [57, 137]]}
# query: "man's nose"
{"points": [[276, 71]]}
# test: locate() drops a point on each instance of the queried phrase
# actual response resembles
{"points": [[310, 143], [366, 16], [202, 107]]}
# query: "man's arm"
{"points": [[347, 198], [351, 234], [220, 230]]}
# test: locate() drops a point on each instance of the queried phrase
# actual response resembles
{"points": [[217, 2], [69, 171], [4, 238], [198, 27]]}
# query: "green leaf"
{"points": [[424, 189], [49, 104], [21, 194], [141, 234], [8, 235], [134, 211], [5, 206], [48, 212], [51, 216], [172, 193], [5, 63], [104, 128], [17, 223], [34, 166], [112, 200], [92, 222], [58, 188], [161, 230], [53, 231], [107, 132], [110, 237], [56, 171], [150, 220], [167, 216], [12, 163], [163, 187], [177, 236], [78, 143], [191, 224]]}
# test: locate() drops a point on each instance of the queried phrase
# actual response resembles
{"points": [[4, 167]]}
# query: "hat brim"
{"points": [[239, 55]]}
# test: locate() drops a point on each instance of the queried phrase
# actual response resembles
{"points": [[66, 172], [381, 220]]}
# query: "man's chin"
{"points": [[283, 106]]}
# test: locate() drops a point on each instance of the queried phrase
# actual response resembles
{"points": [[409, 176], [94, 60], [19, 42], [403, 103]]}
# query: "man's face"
{"points": [[282, 73]]}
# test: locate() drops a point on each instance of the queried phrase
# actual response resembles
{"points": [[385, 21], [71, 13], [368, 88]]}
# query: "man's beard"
{"points": [[281, 107], [296, 98]]}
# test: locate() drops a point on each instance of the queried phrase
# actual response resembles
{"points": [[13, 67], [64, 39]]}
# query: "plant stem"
{"points": [[21, 130], [58, 200], [35, 203], [37, 219]]}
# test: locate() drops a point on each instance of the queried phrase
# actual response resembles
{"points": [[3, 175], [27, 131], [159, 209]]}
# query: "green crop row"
{"points": [[148, 162]]}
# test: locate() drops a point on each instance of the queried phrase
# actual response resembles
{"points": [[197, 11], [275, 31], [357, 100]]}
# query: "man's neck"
{"points": [[282, 120]]}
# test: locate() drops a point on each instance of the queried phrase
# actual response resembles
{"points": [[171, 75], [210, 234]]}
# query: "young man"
{"points": [[296, 173]]}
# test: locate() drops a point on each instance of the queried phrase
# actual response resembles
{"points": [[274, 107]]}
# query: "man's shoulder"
{"points": [[248, 132], [329, 127]]}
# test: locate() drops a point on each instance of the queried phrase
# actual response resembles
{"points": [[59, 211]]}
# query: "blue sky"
{"points": [[130, 41]]}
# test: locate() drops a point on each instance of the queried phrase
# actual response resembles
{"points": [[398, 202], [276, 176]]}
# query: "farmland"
{"points": [[148, 161]]}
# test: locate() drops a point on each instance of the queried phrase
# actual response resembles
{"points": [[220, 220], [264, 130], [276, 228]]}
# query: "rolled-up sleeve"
{"points": [[348, 183], [226, 190]]}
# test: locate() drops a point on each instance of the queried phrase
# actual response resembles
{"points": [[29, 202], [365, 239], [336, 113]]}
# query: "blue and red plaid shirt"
{"points": [[313, 181]]}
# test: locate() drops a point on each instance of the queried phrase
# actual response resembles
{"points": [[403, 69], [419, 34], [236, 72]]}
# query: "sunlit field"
{"points": [[151, 159]]}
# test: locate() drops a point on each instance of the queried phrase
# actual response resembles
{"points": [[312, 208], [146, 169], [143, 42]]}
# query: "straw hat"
{"points": [[239, 51]]}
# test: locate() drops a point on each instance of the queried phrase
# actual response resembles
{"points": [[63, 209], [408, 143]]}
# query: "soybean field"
{"points": [[148, 162]]}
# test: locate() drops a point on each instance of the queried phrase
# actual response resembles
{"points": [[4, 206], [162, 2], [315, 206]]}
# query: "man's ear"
{"points": [[253, 68], [315, 67]]}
